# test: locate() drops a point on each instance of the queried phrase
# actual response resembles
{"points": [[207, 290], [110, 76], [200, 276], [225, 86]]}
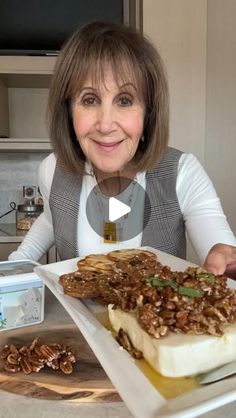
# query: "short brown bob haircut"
{"points": [[131, 56]]}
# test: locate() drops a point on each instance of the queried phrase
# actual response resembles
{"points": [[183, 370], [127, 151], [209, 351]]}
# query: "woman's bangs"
{"points": [[121, 71]]}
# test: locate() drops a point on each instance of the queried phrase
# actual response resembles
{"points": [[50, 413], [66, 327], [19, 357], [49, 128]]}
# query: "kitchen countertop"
{"points": [[17, 406], [9, 233]]}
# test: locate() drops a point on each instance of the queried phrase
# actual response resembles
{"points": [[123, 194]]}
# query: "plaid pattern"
{"points": [[64, 204], [165, 229]]}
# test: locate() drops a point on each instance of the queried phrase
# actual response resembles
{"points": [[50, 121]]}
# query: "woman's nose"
{"points": [[105, 119]]}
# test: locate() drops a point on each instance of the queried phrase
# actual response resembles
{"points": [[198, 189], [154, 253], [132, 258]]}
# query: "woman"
{"points": [[109, 122]]}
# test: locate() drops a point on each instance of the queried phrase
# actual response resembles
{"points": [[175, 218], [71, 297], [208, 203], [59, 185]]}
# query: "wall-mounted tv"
{"points": [[40, 27]]}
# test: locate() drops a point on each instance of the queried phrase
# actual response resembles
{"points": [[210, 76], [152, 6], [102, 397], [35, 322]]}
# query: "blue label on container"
{"points": [[19, 286]]}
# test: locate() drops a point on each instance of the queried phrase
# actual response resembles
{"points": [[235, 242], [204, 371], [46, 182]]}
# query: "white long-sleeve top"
{"points": [[204, 219]]}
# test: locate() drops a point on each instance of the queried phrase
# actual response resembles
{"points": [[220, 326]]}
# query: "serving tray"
{"points": [[137, 391]]}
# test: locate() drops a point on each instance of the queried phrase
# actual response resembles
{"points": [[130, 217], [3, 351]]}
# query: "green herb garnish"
{"points": [[159, 283], [190, 292], [207, 276], [182, 290]]}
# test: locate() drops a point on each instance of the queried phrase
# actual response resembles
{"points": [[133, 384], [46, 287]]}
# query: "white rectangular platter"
{"points": [[138, 393]]}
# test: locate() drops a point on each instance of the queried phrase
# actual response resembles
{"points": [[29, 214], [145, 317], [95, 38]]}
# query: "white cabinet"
{"points": [[24, 83]]}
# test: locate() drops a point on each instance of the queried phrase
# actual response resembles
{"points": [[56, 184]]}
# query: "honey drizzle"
{"points": [[168, 387]]}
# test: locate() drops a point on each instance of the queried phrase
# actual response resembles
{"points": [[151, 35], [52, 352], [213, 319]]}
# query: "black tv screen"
{"points": [[39, 27]]}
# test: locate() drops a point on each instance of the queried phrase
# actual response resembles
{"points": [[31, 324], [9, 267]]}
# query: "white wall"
{"points": [[27, 112], [197, 39], [178, 29], [221, 102]]}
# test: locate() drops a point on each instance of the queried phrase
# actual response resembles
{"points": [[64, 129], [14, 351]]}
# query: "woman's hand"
{"points": [[221, 259]]}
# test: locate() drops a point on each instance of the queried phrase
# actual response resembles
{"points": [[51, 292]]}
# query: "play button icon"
{"points": [[117, 209], [118, 217]]}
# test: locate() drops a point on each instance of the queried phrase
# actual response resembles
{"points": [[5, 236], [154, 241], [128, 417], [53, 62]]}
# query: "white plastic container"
{"points": [[21, 295]]}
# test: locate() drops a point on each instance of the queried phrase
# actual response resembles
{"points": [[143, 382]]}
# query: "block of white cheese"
{"points": [[13, 315], [177, 355]]}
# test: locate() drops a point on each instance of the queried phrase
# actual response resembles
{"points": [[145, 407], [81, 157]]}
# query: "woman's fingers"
{"points": [[221, 259], [231, 270]]}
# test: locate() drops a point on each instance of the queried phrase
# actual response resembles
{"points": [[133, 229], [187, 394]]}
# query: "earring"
{"points": [[142, 139]]}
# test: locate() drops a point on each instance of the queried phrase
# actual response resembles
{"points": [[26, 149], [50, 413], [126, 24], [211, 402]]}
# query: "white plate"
{"points": [[140, 396]]}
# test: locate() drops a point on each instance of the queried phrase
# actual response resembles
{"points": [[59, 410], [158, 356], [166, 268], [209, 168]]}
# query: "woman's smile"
{"points": [[108, 146]]}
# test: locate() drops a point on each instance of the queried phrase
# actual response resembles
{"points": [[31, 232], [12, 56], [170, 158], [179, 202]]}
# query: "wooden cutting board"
{"points": [[87, 383]]}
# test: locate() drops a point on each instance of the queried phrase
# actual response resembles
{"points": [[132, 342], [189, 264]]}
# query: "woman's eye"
{"points": [[89, 100], [125, 101]]}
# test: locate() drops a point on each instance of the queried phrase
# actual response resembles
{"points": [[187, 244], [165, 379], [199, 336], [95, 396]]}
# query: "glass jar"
{"points": [[26, 215]]}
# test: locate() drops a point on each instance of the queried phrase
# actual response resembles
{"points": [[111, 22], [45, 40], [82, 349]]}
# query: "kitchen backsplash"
{"points": [[16, 170]]}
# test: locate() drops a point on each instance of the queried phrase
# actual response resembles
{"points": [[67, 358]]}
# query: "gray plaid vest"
{"points": [[165, 229]]}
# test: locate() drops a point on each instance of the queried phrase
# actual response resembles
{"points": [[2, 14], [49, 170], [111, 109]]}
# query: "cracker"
{"points": [[123, 255], [95, 262]]}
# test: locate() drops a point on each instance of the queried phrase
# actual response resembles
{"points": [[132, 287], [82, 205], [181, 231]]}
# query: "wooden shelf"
{"points": [[26, 65], [24, 144], [26, 71], [24, 84]]}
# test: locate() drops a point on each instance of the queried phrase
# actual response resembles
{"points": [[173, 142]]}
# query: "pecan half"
{"points": [[12, 367], [5, 352], [124, 340], [33, 357], [66, 366], [25, 365]]}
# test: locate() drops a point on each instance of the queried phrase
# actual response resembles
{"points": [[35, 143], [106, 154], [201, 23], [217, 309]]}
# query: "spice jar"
{"points": [[26, 215]]}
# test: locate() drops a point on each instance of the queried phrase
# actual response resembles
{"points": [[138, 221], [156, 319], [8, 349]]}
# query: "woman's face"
{"points": [[108, 122]]}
